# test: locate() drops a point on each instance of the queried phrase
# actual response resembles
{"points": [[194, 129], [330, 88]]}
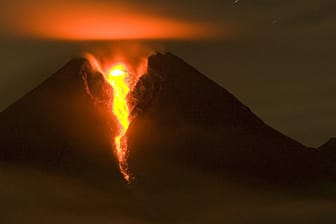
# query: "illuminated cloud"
{"points": [[74, 20]]}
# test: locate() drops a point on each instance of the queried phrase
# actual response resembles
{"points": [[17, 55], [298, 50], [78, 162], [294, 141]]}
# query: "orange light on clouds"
{"points": [[75, 20]]}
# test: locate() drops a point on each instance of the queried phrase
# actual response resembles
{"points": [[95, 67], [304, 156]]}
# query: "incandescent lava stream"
{"points": [[118, 76], [122, 77]]}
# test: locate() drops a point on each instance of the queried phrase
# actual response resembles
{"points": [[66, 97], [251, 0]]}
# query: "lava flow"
{"points": [[122, 77], [117, 77]]}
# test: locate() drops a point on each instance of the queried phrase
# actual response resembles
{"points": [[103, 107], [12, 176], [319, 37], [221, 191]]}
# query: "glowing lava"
{"points": [[122, 75], [117, 76]]}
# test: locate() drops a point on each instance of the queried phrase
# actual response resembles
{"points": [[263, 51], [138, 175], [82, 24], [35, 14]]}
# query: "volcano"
{"points": [[187, 131], [180, 116]]}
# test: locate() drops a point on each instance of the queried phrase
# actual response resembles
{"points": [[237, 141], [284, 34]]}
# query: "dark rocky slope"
{"points": [[194, 120], [64, 124]]}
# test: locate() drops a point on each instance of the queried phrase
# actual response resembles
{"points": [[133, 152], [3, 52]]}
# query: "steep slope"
{"points": [[63, 124], [194, 120]]}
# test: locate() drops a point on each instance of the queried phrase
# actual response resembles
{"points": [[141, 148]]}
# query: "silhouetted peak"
{"points": [[330, 144]]}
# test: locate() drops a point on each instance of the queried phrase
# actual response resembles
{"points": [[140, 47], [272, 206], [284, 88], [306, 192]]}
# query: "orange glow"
{"points": [[84, 20], [122, 75], [117, 77]]}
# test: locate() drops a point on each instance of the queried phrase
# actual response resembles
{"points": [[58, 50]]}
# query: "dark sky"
{"points": [[277, 56]]}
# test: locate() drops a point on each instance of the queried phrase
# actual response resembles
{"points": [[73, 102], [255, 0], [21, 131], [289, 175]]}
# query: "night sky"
{"points": [[277, 56]]}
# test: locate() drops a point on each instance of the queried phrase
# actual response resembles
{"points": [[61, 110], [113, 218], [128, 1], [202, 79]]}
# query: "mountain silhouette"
{"points": [[194, 120], [198, 155], [182, 118], [329, 145]]}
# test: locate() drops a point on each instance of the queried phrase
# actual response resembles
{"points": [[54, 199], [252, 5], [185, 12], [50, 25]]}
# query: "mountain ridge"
{"points": [[181, 117], [192, 106]]}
